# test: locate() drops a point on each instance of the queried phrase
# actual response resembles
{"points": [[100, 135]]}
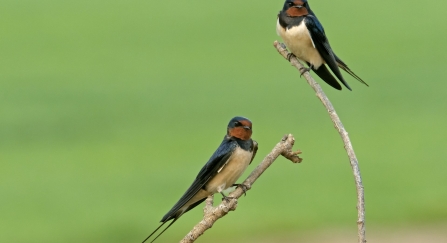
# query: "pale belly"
{"points": [[299, 42], [224, 179], [229, 174]]}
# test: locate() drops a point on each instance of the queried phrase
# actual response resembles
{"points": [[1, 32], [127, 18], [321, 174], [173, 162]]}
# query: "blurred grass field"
{"points": [[108, 110]]}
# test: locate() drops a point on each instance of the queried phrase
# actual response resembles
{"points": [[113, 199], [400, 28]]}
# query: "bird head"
{"points": [[296, 8], [240, 127]]}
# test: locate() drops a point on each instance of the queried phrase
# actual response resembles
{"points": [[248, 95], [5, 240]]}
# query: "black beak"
{"points": [[298, 6], [247, 128]]}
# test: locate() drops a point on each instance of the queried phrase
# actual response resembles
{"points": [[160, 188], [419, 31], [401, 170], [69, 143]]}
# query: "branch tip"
{"points": [[292, 156]]}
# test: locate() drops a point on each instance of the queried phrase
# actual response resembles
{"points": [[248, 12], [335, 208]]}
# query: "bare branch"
{"points": [[211, 214], [344, 135]]}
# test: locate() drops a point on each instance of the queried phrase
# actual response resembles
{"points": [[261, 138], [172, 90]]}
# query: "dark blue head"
{"points": [[296, 8], [240, 127]]}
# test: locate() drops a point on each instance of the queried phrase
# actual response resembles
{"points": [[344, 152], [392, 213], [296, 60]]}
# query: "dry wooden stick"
{"points": [[344, 135], [211, 214]]}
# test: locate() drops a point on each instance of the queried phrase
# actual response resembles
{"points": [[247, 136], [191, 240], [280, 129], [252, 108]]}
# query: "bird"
{"points": [[226, 165], [304, 36]]}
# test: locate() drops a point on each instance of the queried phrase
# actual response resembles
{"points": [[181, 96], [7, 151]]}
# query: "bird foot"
{"points": [[243, 187], [290, 55], [303, 70], [227, 199]]}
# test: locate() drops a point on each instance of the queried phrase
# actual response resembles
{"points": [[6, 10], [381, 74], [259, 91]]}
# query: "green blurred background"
{"points": [[108, 109]]}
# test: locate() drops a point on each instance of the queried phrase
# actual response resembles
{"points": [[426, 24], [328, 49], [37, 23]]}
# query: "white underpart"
{"points": [[226, 176], [300, 43], [231, 171]]}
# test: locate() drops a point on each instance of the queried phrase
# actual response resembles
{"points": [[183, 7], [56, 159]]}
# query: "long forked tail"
{"points": [[157, 230], [343, 66]]}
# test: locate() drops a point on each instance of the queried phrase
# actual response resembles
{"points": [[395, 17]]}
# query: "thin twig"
{"points": [[344, 135], [211, 214]]}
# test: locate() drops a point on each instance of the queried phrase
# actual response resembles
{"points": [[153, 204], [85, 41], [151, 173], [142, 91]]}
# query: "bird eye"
{"points": [[290, 4], [236, 124]]}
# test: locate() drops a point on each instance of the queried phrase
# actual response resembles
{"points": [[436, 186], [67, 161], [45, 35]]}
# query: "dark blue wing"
{"points": [[321, 43], [217, 160], [327, 76]]}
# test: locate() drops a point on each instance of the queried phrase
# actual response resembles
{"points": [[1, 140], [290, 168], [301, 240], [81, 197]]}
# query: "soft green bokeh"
{"points": [[108, 109]]}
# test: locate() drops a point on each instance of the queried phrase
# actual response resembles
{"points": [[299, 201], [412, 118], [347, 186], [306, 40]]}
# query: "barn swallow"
{"points": [[304, 35], [225, 166]]}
